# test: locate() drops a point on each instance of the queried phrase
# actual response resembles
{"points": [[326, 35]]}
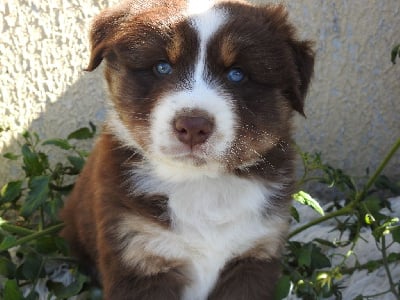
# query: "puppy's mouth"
{"points": [[183, 153]]}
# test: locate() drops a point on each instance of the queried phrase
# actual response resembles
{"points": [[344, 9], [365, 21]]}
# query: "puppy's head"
{"points": [[199, 93]]}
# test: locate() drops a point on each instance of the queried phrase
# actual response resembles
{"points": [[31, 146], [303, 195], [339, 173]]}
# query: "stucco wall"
{"points": [[353, 109]]}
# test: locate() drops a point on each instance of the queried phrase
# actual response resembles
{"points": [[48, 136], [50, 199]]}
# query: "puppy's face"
{"points": [[210, 92]]}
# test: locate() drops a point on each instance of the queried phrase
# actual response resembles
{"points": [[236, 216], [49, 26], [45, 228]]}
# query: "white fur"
{"points": [[199, 6], [167, 150], [213, 220], [119, 130]]}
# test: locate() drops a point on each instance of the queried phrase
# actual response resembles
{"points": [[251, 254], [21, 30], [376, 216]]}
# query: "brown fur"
{"points": [[107, 221]]}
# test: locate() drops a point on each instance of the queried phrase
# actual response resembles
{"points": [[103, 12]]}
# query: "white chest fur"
{"points": [[217, 220], [213, 220]]}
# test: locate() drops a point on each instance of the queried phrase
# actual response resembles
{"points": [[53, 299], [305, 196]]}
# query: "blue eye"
{"points": [[163, 68], [235, 75]]}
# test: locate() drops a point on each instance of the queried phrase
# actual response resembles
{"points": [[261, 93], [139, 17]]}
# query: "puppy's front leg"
{"points": [[129, 272], [247, 279], [128, 285], [122, 283]]}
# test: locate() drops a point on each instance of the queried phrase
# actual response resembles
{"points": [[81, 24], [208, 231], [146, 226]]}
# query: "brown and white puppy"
{"points": [[187, 191]]}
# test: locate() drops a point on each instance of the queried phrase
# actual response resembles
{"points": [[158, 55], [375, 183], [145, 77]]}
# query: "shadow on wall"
{"points": [[86, 97], [352, 109]]}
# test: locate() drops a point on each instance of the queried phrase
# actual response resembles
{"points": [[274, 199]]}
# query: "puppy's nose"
{"points": [[193, 130]]}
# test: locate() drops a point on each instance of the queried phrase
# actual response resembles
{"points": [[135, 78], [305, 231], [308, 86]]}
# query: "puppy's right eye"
{"points": [[163, 68]]}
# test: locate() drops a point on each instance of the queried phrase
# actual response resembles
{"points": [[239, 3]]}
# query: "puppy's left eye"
{"points": [[163, 68], [235, 75]]}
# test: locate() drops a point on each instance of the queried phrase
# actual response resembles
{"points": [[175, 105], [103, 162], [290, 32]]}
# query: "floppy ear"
{"points": [[103, 30], [303, 55]]}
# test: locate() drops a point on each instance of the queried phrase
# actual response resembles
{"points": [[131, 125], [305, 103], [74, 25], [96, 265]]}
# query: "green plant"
{"points": [[30, 248], [308, 270]]}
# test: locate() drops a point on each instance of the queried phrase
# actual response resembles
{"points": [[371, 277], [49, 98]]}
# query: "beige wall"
{"points": [[353, 109]]}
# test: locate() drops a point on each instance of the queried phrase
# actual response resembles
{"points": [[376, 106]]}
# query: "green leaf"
{"points": [[295, 213], [306, 199], [77, 162], [7, 242], [319, 260], [395, 53], [46, 245], [52, 207], [304, 257], [11, 156], [63, 292], [12, 291], [11, 191], [282, 288], [393, 257], [81, 134], [32, 267], [37, 195], [60, 143], [7, 268], [32, 164], [396, 234]]}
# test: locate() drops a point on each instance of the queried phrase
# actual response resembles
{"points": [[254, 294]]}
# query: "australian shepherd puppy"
{"points": [[186, 194]]}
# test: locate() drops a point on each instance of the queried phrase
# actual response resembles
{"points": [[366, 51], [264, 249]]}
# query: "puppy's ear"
{"points": [[303, 55], [103, 30]]}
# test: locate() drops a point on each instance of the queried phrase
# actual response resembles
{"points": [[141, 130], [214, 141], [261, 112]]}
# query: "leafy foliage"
{"points": [[30, 249], [316, 274]]}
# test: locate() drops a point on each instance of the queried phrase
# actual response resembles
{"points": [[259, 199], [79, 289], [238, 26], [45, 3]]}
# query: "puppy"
{"points": [[186, 194]]}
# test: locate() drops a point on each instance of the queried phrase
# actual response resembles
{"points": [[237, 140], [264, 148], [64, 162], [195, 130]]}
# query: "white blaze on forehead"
{"points": [[199, 95], [206, 25], [199, 6]]}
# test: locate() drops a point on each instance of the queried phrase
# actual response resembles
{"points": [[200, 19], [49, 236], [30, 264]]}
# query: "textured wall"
{"points": [[353, 109]]}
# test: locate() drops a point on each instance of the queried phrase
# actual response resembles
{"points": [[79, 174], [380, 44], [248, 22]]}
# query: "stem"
{"points": [[340, 212], [368, 266], [379, 170], [41, 223], [18, 230], [358, 197], [33, 236], [386, 266]]}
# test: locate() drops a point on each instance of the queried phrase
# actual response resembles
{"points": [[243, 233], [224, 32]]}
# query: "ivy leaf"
{"points": [[60, 143], [10, 191], [37, 195], [306, 199], [12, 291]]}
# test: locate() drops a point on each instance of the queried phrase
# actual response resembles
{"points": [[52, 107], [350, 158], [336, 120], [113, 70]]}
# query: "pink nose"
{"points": [[193, 130]]}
